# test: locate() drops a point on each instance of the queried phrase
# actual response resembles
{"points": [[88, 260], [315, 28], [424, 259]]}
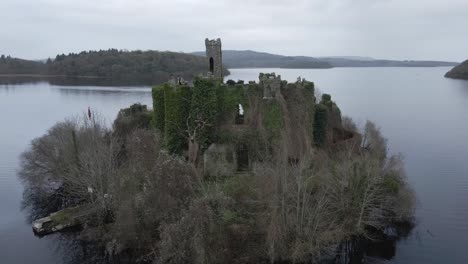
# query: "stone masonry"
{"points": [[214, 57], [271, 84]]}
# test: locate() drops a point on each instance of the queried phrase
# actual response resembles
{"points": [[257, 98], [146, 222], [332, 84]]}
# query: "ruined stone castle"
{"points": [[226, 128]]}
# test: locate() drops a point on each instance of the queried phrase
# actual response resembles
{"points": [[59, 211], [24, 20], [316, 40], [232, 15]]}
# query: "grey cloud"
{"points": [[395, 29]]}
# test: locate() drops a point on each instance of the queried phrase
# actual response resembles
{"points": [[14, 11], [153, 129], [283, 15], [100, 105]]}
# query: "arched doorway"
{"points": [[211, 65]]}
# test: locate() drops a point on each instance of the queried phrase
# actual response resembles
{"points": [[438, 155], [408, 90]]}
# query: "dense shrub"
{"points": [[310, 86], [177, 102], [159, 107], [320, 125], [326, 97]]}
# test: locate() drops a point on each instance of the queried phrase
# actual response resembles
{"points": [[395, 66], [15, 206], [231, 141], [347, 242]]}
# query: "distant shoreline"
{"points": [[338, 67], [48, 76]]}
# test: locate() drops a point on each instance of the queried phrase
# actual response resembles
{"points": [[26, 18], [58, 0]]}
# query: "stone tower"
{"points": [[271, 84], [215, 57]]}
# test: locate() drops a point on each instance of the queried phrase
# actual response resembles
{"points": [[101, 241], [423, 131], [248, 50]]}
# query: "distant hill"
{"points": [[358, 58], [112, 66], [254, 59], [459, 72], [349, 61]]}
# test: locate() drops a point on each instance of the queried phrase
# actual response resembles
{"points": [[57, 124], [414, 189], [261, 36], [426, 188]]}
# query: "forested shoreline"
{"points": [[112, 67]]}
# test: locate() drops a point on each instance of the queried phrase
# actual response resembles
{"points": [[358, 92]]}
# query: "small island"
{"points": [[262, 171], [459, 71]]}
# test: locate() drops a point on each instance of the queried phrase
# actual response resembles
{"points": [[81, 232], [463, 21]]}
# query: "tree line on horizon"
{"points": [[129, 67]]}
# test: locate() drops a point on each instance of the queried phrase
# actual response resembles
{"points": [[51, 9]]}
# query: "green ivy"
{"points": [[177, 107], [229, 98], [326, 97], [204, 106], [272, 118], [309, 86], [158, 107], [320, 125]]}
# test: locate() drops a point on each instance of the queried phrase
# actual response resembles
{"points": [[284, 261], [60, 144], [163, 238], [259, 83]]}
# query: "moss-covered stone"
{"points": [[272, 118]]}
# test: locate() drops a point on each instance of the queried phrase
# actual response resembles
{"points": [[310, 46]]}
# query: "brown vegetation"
{"points": [[153, 206]]}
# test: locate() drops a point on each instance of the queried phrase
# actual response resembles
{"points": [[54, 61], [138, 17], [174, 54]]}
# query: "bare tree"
{"points": [[194, 126]]}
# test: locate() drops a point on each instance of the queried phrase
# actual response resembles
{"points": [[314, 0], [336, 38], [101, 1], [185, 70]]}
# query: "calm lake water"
{"points": [[423, 115]]}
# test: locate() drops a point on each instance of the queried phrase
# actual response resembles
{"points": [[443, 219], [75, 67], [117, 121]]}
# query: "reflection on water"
{"points": [[462, 86]]}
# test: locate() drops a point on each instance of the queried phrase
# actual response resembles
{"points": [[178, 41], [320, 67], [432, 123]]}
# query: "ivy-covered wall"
{"points": [[216, 104], [158, 107], [204, 108], [327, 120], [320, 125], [229, 97], [272, 119], [176, 111]]}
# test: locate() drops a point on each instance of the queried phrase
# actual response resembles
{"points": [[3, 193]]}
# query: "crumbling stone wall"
{"points": [[271, 84]]}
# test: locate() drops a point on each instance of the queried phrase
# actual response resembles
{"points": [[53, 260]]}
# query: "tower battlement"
{"points": [[213, 42], [271, 84]]}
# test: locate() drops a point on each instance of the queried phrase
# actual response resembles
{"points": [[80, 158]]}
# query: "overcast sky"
{"points": [[393, 29]]}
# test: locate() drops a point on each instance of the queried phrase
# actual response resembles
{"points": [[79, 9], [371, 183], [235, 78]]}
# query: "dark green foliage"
{"points": [[177, 107], [129, 119], [326, 100], [326, 97], [229, 99], [136, 67], [320, 125], [272, 118], [230, 82], [159, 107], [116, 67], [204, 110], [309, 86], [240, 82], [9, 65]]}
